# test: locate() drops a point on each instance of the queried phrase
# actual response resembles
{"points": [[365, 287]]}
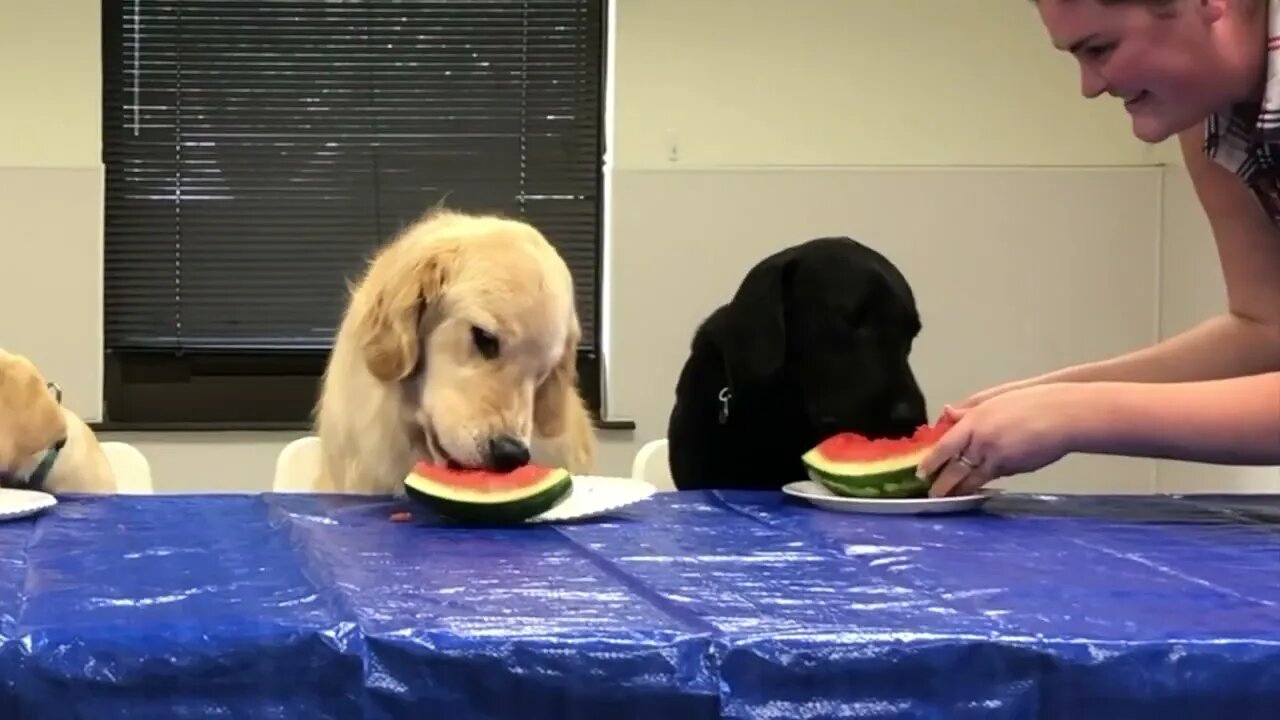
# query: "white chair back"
{"points": [[130, 466], [298, 466], [650, 465]]}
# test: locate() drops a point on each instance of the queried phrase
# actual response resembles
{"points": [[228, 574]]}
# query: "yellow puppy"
{"points": [[458, 346], [42, 444]]}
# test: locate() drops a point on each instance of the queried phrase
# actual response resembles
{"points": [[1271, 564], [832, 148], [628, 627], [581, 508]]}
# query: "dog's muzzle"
{"points": [[35, 478]]}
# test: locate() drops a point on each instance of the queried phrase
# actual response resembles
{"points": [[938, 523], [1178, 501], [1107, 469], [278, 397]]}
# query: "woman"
{"points": [[1201, 69]]}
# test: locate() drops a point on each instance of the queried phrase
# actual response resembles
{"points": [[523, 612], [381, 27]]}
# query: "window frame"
{"points": [[251, 390], [277, 389]]}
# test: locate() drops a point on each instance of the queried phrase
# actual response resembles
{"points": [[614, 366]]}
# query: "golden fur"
{"points": [[32, 421], [409, 377]]}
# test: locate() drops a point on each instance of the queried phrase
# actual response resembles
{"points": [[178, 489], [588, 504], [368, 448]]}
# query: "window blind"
{"points": [[257, 152]]}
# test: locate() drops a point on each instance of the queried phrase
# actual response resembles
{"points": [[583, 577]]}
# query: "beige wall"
{"points": [[51, 65], [1036, 231], [837, 83]]}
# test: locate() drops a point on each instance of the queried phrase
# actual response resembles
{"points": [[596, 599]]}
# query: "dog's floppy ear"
{"points": [[30, 417], [551, 399], [401, 294], [753, 333]]}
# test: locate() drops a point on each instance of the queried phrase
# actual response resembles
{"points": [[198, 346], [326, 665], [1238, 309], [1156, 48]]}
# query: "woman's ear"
{"points": [[552, 399], [400, 293], [1211, 11]]}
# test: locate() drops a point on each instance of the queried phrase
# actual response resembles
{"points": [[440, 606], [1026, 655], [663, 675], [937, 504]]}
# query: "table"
{"points": [[690, 605]]}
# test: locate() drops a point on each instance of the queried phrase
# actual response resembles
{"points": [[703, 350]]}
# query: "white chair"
{"points": [[298, 466], [650, 465], [130, 466]]}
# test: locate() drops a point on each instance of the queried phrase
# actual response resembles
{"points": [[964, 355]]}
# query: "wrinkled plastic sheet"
{"points": [[695, 605]]}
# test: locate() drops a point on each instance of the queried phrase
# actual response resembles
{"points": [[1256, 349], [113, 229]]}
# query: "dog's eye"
{"points": [[485, 341]]}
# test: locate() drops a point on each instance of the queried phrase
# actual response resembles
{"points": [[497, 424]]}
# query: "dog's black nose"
{"points": [[507, 453]]}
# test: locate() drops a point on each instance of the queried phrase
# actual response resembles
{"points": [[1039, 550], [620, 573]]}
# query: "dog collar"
{"points": [[35, 479], [725, 394]]}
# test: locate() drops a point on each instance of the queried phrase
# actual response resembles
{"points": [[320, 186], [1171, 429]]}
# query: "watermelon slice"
{"points": [[852, 465], [483, 496]]}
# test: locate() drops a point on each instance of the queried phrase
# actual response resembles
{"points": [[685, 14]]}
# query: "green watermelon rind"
{"points": [[897, 484], [499, 508], [891, 478]]}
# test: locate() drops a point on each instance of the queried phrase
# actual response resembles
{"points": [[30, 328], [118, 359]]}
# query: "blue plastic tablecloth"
{"points": [[691, 605]]}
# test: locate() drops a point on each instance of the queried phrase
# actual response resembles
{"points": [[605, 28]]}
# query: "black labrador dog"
{"points": [[815, 341]]}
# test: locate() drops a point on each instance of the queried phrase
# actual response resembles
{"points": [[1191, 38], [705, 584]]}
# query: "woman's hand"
{"points": [[1017, 430]]}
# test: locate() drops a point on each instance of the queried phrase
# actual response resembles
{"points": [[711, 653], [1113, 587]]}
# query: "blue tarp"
{"points": [[691, 605]]}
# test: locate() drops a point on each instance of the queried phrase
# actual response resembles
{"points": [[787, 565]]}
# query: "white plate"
{"points": [[18, 503], [594, 495], [824, 498]]}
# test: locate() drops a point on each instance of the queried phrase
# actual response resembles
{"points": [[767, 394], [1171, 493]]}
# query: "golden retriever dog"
{"points": [[458, 346], [43, 445]]}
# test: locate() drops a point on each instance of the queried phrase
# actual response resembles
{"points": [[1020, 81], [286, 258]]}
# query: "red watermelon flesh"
{"points": [[476, 494], [852, 464]]}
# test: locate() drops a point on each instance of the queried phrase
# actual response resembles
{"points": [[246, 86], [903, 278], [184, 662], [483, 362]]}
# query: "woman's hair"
{"points": [[1154, 3], [1160, 7], [1249, 6]]}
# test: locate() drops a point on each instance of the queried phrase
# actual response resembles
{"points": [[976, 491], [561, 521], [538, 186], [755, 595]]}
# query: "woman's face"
{"points": [[1162, 62]]}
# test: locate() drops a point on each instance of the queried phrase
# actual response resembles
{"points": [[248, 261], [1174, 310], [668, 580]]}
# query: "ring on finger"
{"points": [[965, 461]]}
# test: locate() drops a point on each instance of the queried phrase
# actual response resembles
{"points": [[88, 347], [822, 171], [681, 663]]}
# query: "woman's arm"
{"points": [[1243, 341], [1234, 421], [1224, 346]]}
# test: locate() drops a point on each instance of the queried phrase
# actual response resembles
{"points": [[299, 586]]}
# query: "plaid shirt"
{"points": [[1246, 138]]}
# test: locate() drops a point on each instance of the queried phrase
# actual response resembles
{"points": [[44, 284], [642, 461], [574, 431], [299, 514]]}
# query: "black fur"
{"points": [[815, 341]]}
